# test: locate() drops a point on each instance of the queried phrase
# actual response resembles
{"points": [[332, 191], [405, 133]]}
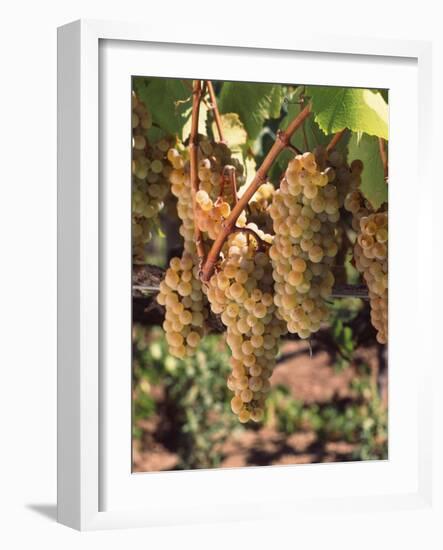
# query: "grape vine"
{"points": [[262, 258]]}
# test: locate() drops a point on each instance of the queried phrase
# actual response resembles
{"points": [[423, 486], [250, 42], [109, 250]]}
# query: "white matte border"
{"points": [[405, 478]]}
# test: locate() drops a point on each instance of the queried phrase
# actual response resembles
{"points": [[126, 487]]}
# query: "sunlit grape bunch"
{"points": [[305, 212], [181, 290], [371, 253], [215, 196], [150, 173], [346, 177], [180, 183], [181, 294], [214, 158], [209, 215], [371, 259], [241, 291]]}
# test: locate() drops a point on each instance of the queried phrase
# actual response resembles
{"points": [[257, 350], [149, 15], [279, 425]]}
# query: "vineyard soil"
{"points": [[313, 381]]}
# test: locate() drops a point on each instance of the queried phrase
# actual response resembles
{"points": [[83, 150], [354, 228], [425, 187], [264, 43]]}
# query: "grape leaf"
{"points": [[139, 83], [254, 103], [359, 109], [373, 185], [234, 132], [385, 94], [236, 138], [314, 136], [154, 134], [169, 102]]}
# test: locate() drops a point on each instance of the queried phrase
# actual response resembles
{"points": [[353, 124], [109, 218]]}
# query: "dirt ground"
{"points": [[311, 380]]}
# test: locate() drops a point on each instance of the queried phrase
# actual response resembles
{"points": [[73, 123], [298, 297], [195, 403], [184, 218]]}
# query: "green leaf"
{"points": [[314, 136], [373, 184], [236, 137], [254, 103], [154, 134], [279, 166], [385, 94], [139, 84], [359, 109], [169, 102]]}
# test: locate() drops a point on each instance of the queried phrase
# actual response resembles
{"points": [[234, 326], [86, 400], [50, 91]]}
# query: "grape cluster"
{"points": [[186, 311], [370, 251], [371, 259], [181, 289], [346, 177], [209, 215], [354, 200], [241, 291], [214, 158], [215, 197], [150, 173], [358, 206], [305, 212], [181, 189]]}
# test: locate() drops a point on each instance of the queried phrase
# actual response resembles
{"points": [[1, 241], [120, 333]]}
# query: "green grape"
{"points": [[149, 185], [241, 290], [304, 211]]}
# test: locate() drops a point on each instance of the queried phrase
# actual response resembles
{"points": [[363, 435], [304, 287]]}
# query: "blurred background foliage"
{"points": [[182, 418]]}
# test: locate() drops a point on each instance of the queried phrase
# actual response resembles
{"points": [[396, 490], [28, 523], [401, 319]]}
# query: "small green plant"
{"points": [[195, 403], [362, 421], [194, 392]]}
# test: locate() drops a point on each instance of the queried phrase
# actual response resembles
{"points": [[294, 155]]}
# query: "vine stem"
{"points": [[336, 138], [303, 127], [193, 161], [214, 107], [294, 149], [146, 280], [280, 143], [383, 156], [230, 175]]}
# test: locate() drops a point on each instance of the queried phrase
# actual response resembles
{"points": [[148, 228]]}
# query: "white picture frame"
{"points": [[96, 489]]}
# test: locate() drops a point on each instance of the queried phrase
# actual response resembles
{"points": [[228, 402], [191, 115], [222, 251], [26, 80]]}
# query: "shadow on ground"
{"points": [[48, 511]]}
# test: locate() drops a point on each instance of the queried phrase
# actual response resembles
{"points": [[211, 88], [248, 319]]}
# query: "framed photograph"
{"points": [[226, 215]]}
